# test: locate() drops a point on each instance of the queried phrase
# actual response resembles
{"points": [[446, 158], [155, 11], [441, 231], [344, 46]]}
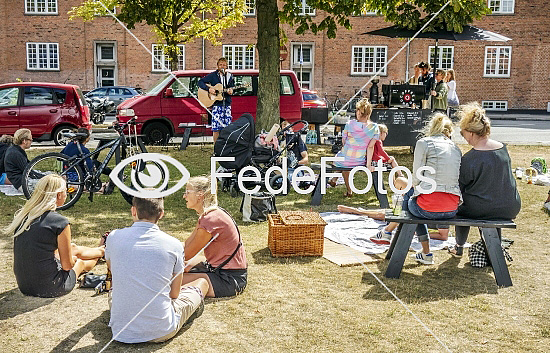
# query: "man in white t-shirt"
{"points": [[143, 260]]}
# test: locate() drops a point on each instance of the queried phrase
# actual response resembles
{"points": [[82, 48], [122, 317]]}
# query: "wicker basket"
{"points": [[296, 233]]}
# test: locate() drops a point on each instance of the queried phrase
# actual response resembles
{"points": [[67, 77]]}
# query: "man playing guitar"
{"points": [[221, 110]]}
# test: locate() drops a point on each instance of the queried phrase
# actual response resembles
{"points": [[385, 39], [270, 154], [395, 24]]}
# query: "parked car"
{"points": [[117, 94], [312, 100], [169, 103], [47, 109]]}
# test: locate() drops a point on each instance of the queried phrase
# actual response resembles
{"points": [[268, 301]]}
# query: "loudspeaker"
{"points": [[315, 115]]}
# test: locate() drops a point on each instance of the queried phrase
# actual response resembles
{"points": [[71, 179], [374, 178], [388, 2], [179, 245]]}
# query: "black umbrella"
{"points": [[468, 33]]}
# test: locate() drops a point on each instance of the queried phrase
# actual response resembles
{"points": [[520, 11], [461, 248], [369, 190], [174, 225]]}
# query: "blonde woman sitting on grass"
{"points": [[225, 267], [46, 263]]}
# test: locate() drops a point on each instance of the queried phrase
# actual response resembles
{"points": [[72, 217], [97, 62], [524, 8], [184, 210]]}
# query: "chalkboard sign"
{"points": [[403, 124]]}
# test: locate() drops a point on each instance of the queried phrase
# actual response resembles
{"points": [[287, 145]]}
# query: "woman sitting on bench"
{"points": [[486, 180], [435, 150], [358, 138]]}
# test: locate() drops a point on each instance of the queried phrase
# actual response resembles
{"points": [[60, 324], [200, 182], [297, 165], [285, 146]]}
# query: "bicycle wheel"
{"points": [[338, 104], [54, 163], [137, 167], [125, 174]]}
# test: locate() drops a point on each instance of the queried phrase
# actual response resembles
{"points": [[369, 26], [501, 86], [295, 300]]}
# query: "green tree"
{"points": [[173, 21], [404, 13]]}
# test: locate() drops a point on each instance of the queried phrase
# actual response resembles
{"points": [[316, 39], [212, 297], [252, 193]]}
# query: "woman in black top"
{"points": [[486, 181], [46, 263]]}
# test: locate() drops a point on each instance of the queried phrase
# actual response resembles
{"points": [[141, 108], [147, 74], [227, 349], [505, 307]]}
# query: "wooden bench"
{"points": [[317, 196], [407, 226]]}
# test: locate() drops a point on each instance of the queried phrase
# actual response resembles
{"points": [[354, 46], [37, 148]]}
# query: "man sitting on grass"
{"points": [[143, 260]]}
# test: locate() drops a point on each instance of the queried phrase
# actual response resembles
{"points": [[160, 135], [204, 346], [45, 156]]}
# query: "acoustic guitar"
{"points": [[208, 99]]}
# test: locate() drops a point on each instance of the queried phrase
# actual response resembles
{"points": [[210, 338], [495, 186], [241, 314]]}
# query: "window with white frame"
{"points": [[239, 57], [445, 56], [495, 105], [42, 56], [502, 6], [306, 9], [160, 57], [251, 8], [41, 7], [367, 60], [497, 61]]}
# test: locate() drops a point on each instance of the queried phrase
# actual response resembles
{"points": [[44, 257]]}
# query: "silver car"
{"points": [[117, 94]]}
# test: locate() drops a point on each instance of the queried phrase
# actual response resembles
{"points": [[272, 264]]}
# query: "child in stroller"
{"points": [[238, 140]]}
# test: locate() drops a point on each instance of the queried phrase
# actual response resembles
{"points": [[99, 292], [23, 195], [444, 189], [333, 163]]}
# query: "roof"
{"points": [[47, 84]]}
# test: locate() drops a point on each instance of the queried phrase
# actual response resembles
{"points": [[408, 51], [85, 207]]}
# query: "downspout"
{"points": [[203, 52]]}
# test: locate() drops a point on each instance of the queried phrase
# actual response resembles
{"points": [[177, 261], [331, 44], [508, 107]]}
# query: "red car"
{"points": [[312, 100], [170, 103], [47, 109]]}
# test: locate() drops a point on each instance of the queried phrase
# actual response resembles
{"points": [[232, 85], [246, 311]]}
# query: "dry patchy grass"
{"points": [[306, 304]]}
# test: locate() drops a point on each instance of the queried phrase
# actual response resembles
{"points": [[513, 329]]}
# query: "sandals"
{"points": [[332, 183], [348, 194], [456, 251]]}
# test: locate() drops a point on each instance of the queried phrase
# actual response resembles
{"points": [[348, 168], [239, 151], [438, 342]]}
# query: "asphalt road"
{"points": [[519, 132]]}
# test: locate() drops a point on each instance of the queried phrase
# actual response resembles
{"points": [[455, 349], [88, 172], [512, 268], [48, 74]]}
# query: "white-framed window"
{"points": [[497, 61], [42, 56], [445, 56], [302, 54], [306, 9], [239, 57], [367, 60], [251, 6], [495, 105], [41, 7], [502, 6], [159, 57]]}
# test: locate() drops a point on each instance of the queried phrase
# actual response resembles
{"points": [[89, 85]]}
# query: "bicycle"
{"points": [[335, 105], [70, 169], [353, 101]]}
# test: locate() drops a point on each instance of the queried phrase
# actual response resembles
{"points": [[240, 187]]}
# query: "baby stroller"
{"points": [[239, 141]]}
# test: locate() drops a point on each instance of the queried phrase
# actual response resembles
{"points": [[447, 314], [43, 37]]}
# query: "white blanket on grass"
{"points": [[355, 231], [10, 190]]}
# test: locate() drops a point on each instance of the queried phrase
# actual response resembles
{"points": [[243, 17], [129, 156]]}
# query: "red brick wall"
{"points": [[526, 88]]}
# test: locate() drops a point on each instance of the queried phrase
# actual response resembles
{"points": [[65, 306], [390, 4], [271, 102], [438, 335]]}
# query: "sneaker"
{"points": [[195, 314], [456, 250], [383, 237], [109, 188], [426, 259]]}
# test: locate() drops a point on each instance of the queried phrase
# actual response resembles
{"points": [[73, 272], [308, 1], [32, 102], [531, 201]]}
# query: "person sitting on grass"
{"points": [[46, 263], [15, 157], [296, 155], [5, 142], [547, 203], [147, 269], [77, 147], [225, 267], [380, 154]]}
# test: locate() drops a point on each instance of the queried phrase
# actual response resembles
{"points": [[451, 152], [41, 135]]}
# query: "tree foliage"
{"points": [[410, 14], [173, 21]]}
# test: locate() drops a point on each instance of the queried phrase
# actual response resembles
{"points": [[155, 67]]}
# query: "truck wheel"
{"points": [[156, 134]]}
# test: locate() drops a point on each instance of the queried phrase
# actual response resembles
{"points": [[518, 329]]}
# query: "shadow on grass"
{"points": [[445, 281], [13, 303], [263, 257], [101, 333]]}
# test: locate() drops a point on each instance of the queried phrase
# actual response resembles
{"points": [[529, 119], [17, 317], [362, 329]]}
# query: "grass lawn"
{"points": [[306, 304]]}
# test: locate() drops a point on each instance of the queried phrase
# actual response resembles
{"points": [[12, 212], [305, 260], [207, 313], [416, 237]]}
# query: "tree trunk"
{"points": [[268, 57]]}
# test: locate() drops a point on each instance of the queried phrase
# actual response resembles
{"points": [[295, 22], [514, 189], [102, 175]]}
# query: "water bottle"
{"points": [[397, 204]]}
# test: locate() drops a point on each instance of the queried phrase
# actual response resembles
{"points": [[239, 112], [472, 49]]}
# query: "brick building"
{"points": [[40, 43]]}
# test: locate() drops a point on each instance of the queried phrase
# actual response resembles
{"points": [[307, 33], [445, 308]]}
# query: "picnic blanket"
{"points": [[355, 231], [10, 190]]}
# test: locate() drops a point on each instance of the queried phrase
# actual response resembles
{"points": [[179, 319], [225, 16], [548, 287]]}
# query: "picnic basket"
{"points": [[296, 233]]}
